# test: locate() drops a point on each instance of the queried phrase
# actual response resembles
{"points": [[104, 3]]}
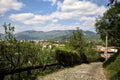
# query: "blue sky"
{"points": [[46, 15]]}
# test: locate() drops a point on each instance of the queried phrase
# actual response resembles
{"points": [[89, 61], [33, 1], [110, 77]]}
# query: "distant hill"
{"points": [[50, 35], [89, 32]]}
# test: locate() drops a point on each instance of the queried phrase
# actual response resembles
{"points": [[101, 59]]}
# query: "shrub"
{"points": [[83, 57], [67, 58], [92, 55]]}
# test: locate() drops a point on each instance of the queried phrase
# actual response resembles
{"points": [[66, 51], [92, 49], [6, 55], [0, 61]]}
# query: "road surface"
{"points": [[92, 71]]}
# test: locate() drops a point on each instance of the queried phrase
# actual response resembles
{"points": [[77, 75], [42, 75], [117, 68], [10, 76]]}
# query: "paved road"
{"points": [[93, 71]]}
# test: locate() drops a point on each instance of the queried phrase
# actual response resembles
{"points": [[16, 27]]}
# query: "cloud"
{"points": [[6, 5], [54, 26], [82, 7], [59, 5], [52, 1], [29, 18], [81, 11]]}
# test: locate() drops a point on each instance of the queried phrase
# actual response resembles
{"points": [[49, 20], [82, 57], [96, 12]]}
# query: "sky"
{"points": [[47, 15]]}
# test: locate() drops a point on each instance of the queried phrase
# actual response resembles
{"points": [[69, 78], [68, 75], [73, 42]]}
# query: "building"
{"points": [[110, 51]]}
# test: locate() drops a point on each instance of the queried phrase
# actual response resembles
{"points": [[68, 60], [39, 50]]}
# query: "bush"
{"points": [[67, 58], [83, 58], [92, 55]]}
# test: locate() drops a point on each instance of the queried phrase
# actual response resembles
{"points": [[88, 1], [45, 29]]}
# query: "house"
{"points": [[110, 51]]}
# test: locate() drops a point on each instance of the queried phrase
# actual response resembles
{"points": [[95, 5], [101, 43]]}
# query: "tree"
{"points": [[112, 2], [109, 24], [77, 40], [19, 60], [15, 54]]}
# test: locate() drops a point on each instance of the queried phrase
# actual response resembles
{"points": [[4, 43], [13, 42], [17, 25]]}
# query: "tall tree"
{"points": [[77, 40], [109, 24]]}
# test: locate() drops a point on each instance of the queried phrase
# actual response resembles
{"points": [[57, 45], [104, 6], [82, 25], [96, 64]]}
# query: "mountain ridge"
{"points": [[48, 35]]}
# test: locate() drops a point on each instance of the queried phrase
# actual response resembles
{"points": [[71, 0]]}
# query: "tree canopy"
{"points": [[109, 24], [77, 40], [112, 2]]}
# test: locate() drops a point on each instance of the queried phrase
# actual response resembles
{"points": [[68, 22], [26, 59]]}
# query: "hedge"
{"points": [[68, 57]]}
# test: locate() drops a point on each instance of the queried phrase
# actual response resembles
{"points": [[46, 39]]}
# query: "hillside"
{"points": [[38, 35], [51, 35]]}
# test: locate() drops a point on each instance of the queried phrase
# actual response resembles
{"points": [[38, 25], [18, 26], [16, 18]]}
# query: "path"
{"points": [[93, 71]]}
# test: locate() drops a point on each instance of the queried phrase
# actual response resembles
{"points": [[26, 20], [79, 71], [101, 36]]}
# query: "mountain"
{"points": [[50, 35], [38, 35], [89, 32]]}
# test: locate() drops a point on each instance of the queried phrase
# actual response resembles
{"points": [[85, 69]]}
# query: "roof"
{"points": [[108, 49]]}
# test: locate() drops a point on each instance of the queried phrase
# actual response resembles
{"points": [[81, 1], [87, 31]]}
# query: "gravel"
{"points": [[92, 71]]}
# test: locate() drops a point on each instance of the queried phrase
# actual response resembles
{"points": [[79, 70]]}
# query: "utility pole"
{"points": [[106, 49]]}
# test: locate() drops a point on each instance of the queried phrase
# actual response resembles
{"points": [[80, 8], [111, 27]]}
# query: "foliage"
{"points": [[85, 48], [113, 66], [16, 54], [67, 57], [111, 2], [109, 25], [77, 41], [91, 53]]}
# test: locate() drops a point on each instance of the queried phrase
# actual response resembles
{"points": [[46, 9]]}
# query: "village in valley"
{"points": [[46, 44]]}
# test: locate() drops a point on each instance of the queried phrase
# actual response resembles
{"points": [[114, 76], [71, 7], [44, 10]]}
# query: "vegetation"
{"points": [[111, 2], [21, 60], [109, 25], [113, 66], [91, 53], [26, 59], [21, 56], [84, 48], [77, 40], [67, 57]]}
